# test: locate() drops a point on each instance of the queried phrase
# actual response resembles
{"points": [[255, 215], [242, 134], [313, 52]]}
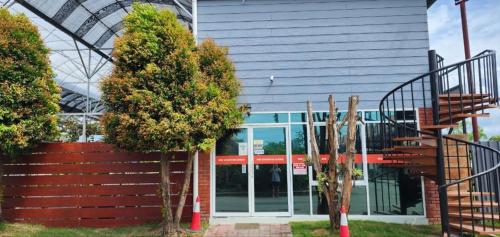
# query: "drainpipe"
{"points": [[195, 160]]}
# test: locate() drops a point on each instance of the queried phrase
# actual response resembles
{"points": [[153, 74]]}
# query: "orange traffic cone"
{"points": [[344, 228], [196, 218]]}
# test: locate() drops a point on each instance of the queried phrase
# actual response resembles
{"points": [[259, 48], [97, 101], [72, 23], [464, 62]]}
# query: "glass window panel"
{"points": [[322, 140], [231, 181], [398, 115], [298, 117], [300, 170], [374, 139], [372, 116], [267, 118], [394, 192], [358, 201]]}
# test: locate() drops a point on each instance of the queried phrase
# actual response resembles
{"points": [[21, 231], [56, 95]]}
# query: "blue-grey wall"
{"points": [[318, 47]]}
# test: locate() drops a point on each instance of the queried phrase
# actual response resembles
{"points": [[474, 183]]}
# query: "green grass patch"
{"points": [[31, 230], [365, 229]]}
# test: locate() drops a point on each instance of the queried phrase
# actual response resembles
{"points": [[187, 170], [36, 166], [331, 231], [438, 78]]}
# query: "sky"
{"points": [[484, 31]]}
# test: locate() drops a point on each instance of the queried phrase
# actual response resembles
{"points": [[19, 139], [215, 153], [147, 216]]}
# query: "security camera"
{"points": [[271, 79]]}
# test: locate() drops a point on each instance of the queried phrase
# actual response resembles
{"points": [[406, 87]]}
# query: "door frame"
{"points": [[250, 169]]}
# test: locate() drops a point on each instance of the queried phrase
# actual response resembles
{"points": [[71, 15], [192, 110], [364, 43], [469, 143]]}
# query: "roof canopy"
{"points": [[80, 35], [95, 23]]}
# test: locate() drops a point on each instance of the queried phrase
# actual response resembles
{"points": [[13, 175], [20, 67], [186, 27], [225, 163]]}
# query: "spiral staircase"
{"points": [[419, 124]]}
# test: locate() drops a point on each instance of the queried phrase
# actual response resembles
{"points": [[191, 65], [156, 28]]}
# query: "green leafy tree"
{"points": [[166, 94], [71, 128], [29, 98], [495, 138], [470, 136]]}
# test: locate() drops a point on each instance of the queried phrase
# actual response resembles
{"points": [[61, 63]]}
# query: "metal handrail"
{"points": [[477, 74]]}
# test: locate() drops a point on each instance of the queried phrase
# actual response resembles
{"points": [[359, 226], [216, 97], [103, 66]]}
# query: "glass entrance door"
{"points": [[270, 171], [232, 196], [252, 173]]}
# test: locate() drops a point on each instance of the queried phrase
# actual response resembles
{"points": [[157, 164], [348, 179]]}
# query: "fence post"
{"points": [[443, 197]]}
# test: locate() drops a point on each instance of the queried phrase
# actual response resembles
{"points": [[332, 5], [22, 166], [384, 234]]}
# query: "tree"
{"points": [[168, 95], [328, 181], [29, 97], [495, 138], [470, 136], [71, 129]]}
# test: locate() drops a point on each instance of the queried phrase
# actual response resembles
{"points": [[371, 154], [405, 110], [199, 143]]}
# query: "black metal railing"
{"points": [[442, 98]]}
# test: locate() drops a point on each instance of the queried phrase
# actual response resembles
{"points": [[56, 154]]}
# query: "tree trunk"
{"points": [[333, 181], [331, 185], [185, 188], [314, 145], [167, 224], [350, 151]]}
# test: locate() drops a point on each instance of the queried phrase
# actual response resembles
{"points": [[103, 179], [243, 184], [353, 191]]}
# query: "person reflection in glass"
{"points": [[275, 180]]}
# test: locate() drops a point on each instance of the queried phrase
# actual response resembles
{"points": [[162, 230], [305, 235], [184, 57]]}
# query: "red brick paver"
{"points": [[249, 230]]}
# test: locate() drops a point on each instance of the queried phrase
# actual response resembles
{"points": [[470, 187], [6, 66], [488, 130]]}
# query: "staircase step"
{"points": [[410, 139], [421, 150], [466, 204], [477, 215], [440, 126], [458, 117], [446, 110], [464, 102], [458, 96], [478, 229]]}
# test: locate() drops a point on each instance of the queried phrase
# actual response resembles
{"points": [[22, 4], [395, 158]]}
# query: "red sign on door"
{"points": [[269, 159], [231, 160]]}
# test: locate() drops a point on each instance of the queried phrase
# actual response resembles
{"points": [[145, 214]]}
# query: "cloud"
{"points": [[484, 30]]}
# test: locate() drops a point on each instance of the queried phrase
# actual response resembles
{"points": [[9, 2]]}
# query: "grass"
{"points": [[365, 229], [30, 230]]}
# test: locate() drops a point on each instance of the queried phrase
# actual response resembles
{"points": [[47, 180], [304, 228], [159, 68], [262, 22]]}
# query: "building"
{"points": [[288, 52]]}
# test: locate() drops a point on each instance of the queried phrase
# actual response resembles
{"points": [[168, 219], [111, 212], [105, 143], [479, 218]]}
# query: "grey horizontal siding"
{"points": [[319, 47]]}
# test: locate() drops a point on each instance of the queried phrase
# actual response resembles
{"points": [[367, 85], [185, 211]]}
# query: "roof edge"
{"points": [[430, 2]]}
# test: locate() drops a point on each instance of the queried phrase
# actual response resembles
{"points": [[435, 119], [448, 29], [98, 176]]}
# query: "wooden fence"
{"points": [[87, 184]]}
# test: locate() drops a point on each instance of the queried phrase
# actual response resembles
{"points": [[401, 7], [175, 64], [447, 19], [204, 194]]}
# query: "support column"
{"points": [[443, 197], [194, 15], [465, 33]]}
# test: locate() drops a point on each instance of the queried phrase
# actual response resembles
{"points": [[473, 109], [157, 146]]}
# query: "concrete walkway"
{"points": [[249, 230]]}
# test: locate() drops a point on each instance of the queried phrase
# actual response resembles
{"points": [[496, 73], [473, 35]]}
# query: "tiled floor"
{"points": [[249, 230]]}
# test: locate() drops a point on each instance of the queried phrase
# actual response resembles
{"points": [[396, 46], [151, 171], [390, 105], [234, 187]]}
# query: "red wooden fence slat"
{"points": [[85, 190], [81, 179], [88, 157], [83, 212], [82, 168], [82, 201], [69, 147], [94, 223], [50, 158]]}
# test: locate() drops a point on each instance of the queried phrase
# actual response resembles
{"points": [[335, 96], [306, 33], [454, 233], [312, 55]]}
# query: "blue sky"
{"points": [[484, 30]]}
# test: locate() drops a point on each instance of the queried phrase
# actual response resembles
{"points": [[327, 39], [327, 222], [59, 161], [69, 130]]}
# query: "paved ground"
{"points": [[249, 230]]}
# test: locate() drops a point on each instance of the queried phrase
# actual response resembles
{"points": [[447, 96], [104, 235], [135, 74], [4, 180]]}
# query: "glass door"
{"points": [[232, 196], [270, 171]]}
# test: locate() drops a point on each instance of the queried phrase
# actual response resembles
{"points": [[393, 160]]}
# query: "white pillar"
{"points": [[195, 160], [195, 178], [194, 15]]}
